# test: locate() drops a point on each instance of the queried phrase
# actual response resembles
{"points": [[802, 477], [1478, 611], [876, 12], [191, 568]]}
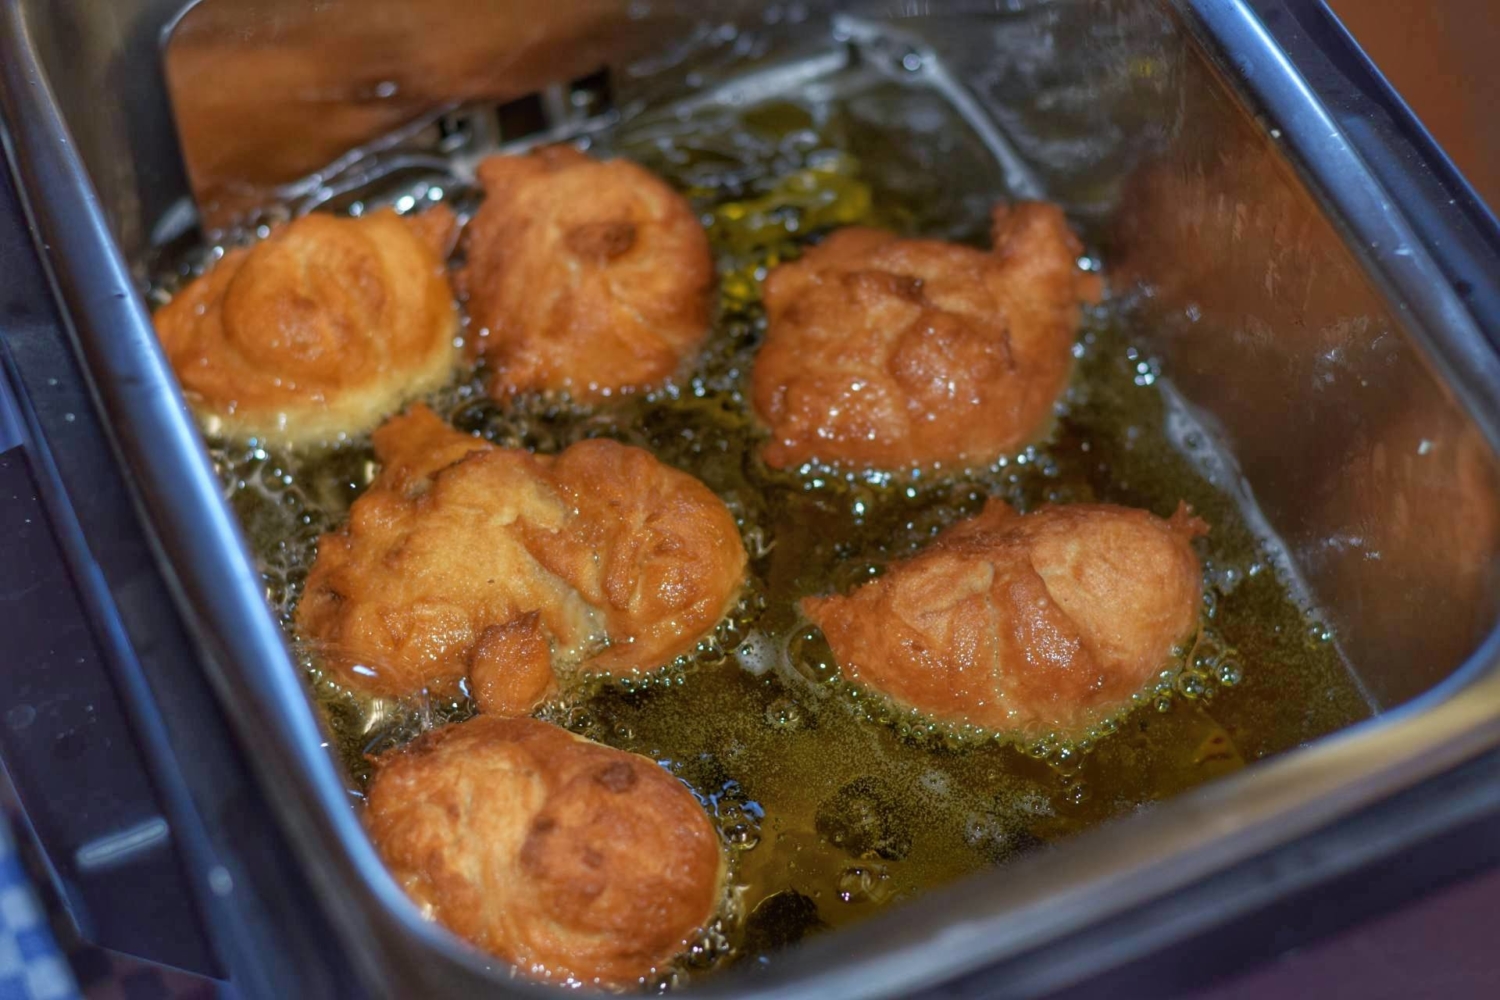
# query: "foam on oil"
{"points": [[832, 803]]}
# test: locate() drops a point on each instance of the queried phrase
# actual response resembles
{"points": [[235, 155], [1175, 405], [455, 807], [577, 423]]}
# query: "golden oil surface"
{"points": [[832, 804]]}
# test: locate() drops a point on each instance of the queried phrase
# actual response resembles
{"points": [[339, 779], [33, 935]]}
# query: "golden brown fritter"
{"points": [[890, 353], [585, 276], [323, 328], [1024, 624], [571, 860], [467, 560]]}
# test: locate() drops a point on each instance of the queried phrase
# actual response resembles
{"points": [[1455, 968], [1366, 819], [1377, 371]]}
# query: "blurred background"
{"points": [[1444, 58]]}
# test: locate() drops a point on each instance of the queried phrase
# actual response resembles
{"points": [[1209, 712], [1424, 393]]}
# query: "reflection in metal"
{"points": [[121, 847]]}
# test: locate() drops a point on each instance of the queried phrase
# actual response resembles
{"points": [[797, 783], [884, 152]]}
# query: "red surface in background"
{"points": [[1444, 58]]}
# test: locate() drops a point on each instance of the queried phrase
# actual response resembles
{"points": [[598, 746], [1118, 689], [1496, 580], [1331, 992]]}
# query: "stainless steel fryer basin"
{"points": [[1304, 311]]}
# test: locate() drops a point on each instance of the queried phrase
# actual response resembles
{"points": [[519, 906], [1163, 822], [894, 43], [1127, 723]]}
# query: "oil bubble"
{"points": [[1230, 672], [784, 713], [755, 653], [1192, 685], [864, 883]]}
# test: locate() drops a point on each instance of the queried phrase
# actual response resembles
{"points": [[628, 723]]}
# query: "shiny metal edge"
{"points": [[959, 930], [1467, 234], [1327, 156], [199, 543]]}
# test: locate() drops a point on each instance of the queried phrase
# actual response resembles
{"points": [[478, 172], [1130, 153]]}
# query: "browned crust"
{"points": [[1046, 622], [322, 328], [585, 276], [618, 562], [887, 352], [564, 857]]}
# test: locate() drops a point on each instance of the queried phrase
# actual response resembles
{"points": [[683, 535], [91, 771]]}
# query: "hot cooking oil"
{"points": [[832, 803]]}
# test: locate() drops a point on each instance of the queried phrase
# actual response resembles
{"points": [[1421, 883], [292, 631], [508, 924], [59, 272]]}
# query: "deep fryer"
{"points": [[1326, 292]]}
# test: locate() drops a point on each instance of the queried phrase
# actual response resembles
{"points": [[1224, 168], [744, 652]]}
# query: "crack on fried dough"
{"points": [[323, 328], [1024, 624], [569, 859], [893, 353], [464, 560]]}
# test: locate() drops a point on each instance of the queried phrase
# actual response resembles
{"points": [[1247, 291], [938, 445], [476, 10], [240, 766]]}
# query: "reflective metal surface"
{"points": [[268, 93], [127, 140], [1292, 304], [1383, 489]]}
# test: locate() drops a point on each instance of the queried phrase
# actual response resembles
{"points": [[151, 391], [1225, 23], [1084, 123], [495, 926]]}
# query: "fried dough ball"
{"points": [[571, 860], [323, 328], [468, 560], [1024, 624], [586, 276], [885, 353]]}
